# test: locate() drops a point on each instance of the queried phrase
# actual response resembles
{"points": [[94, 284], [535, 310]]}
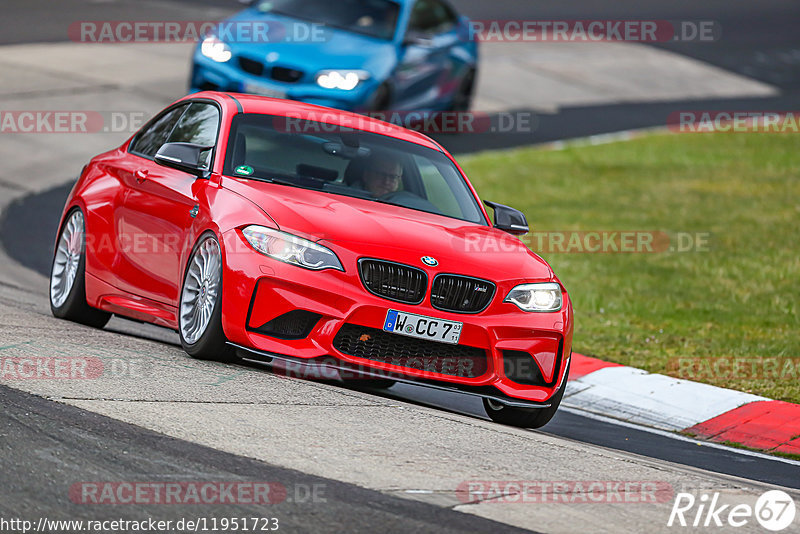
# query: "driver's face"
{"points": [[383, 178]]}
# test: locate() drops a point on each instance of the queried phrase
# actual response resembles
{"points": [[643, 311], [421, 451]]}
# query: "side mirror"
{"points": [[186, 157], [508, 219]]}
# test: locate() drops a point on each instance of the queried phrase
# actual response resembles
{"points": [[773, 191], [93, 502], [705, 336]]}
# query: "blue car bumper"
{"points": [[228, 76]]}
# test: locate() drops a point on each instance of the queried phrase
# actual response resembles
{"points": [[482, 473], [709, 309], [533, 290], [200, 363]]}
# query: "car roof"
{"points": [[300, 110]]}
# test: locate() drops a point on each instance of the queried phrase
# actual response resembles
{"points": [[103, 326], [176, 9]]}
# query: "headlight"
{"points": [[215, 49], [536, 297], [346, 80], [289, 248]]}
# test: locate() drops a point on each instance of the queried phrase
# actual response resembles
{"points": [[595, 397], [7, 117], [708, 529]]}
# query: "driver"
{"points": [[383, 174]]}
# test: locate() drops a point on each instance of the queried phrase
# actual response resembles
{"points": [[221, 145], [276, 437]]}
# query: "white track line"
{"points": [[673, 435]]}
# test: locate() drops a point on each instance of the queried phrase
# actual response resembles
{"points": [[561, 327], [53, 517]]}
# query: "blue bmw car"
{"points": [[356, 55]]}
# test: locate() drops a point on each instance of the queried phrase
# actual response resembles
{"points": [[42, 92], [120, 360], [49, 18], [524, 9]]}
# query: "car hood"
{"points": [[336, 49], [369, 228]]}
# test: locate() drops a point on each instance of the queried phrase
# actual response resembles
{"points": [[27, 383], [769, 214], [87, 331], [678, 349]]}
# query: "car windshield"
{"points": [[348, 162], [376, 18]]}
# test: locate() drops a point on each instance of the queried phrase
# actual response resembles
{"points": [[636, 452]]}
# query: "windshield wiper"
{"points": [[279, 181], [303, 182]]}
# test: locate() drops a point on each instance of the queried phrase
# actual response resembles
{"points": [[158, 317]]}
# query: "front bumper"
{"points": [[499, 341], [208, 75]]}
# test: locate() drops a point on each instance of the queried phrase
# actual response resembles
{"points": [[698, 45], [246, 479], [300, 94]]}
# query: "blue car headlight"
{"points": [[344, 79], [536, 297], [289, 248], [215, 49]]}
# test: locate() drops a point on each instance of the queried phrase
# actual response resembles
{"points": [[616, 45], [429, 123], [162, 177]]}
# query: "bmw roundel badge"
{"points": [[431, 262]]}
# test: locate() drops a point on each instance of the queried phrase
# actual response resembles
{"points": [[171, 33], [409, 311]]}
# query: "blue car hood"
{"points": [[336, 49]]}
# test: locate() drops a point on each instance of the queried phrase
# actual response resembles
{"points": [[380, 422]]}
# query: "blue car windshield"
{"points": [[348, 162], [376, 18]]}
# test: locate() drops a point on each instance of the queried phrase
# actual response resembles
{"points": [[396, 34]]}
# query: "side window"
{"points": [[155, 133], [430, 17], [199, 126]]}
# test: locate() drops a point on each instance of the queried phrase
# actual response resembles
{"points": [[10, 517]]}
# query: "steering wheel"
{"points": [[398, 196], [410, 200]]}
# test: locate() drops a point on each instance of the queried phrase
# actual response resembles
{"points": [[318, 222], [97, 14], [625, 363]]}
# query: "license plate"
{"points": [[419, 326], [257, 89]]}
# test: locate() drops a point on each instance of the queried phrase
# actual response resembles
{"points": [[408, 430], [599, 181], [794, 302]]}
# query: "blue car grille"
{"points": [[277, 73], [251, 66], [285, 74]]}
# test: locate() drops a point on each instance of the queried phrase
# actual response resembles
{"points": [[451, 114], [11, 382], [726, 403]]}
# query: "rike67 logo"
{"points": [[774, 510]]}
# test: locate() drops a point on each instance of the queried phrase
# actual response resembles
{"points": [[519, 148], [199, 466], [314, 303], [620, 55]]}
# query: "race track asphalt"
{"points": [[37, 481]]}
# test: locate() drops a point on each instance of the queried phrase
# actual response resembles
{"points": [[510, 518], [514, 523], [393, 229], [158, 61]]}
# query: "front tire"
{"points": [[526, 417], [200, 309], [68, 275], [380, 100], [462, 100]]}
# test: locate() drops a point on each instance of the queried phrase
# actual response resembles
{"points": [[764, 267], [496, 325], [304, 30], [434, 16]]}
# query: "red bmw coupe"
{"points": [[300, 235]]}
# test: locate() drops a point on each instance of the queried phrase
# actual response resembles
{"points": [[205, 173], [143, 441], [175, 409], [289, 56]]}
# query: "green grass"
{"points": [[739, 299]]}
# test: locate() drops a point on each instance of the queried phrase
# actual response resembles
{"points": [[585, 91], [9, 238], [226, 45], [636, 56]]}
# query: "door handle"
{"points": [[141, 175]]}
